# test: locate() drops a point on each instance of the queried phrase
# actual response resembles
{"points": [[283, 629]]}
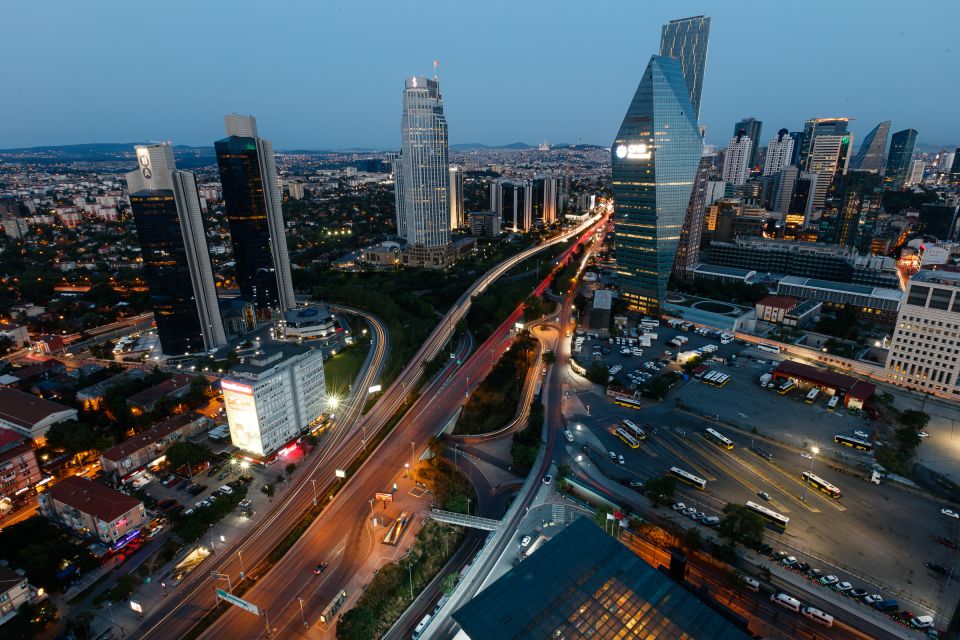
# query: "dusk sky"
{"points": [[323, 76]]}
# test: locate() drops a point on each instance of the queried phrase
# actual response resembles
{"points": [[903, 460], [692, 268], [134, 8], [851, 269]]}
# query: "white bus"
{"points": [[710, 377], [634, 429], [832, 404], [785, 601], [718, 438], [689, 478], [421, 627], [726, 338], [812, 395], [776, 519], [769, 348], [627, 439], [818, 616]]}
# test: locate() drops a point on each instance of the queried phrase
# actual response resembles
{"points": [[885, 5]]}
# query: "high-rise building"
{"points": [[399, 197], [295, 187], [424, 178], [457, 218], [751, 126], [829, 157], [686, 40], [512, 200], [654, 165], [870, 155], [923, 350], [850, 214], [800, 210], [176, 260], [915, 175], [955, 167], [902, 144], [251, 195], [545, 198], [945, 161], [786, 179], [736, 159], [688, 250], [779, 153], [813, 128]]}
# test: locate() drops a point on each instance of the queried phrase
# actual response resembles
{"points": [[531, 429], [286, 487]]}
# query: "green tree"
{"points": [[549, 357], [691, 540], [908, 438], [598, 373], [740, 524], [187, 453], [915, 419], [661, 490], [289, 469], [268, 490]]}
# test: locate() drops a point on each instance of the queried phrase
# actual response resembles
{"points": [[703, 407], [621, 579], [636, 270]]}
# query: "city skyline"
{"points": [[305, 116]]}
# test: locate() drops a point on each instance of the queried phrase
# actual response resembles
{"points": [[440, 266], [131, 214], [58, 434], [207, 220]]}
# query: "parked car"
{"points": [[802, 567], [936, 568], [679, 506], [857, 593], [789, 561], [843, 587], [873, 599], [950, 513], [829, 580]]}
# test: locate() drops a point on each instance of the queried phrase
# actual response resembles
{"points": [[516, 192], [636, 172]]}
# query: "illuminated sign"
{"points": [[385, 497], [287, 450], [638, 151], [227, 385], [375, 388], [242, 416]]}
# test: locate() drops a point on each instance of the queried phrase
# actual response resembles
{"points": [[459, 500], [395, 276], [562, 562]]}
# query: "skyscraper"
{"points": [[818, 127], [779, 153], [424, 178], [654, 164], [251, 194], [457, 218], [512, 200], [829, 157], [915, 174], [851, 209], [685, 40], [545, 198], [399, 198], [870, 155], [736, 160], [176, 261], [751, 126], [688, 250], [786, 179], [902, 144]]}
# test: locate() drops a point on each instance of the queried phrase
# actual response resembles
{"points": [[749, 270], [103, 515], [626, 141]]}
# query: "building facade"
{"points": [[134, 454], [29, 415], [850, 212], [873, 304], [779, 153], [176, 259], [685, 40], [736, 160], [829, 157], [902, 144], [654, 165], [251, 194], [870, 155], [925, 347], [457, 219], [484, 224], [813, 128], [19, 471], [691, 235], [751, 127], [91, 509]]}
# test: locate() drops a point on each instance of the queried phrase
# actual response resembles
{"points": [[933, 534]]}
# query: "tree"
{"points": [[549, 357], [449, 583], [661, 490], [915, 419], [909, 439], [268, 490], [739, 524], [691, 540], [598, 373], [290, 468], [184, 453]]}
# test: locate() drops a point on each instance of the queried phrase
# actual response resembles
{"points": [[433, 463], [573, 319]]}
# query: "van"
{"points": [[921, 622], [421, 627], [751, 583], [226, 490], [568, 435], [785, 601], [818, 616]]}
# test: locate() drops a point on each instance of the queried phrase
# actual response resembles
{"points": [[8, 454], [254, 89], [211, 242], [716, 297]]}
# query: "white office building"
{"points": [[915, 174], [779, 153], [829, 156], [273, 396], [457, 217], [736, 160], [925, 348]]}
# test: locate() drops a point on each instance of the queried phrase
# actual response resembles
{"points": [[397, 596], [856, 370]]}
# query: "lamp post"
{"points": [[806, 480], [302, 615], [466, 389], [314, 483], [413, 455]]}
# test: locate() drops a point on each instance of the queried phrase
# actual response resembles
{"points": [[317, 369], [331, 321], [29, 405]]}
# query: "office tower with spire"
{"points": [[251, 195], [424, 175], [751, 126], [176, 260], [654, 164], [736, 159], [869, 156], [685, 40], [779, 153], [902, 144]]}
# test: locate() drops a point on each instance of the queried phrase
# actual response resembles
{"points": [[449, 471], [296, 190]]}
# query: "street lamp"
{"points": [[302, 616], [314, 483], [806, 480]]}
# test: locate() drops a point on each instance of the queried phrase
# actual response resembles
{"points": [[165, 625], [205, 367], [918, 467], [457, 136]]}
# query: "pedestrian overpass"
{"points": [[474, 522]]}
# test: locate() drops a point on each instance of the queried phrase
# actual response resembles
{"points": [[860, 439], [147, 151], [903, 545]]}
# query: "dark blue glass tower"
{"points": [[654, 164], [902, 144]]}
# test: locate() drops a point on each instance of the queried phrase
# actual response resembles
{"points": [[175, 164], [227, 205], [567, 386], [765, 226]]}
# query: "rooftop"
{"points": [[272, 354], [160, 390], [843, 287], [847, 384], [780, 302], [603, 299], [724, 271], [949, 278], [148, 437], [26, 410], [91, 497]]}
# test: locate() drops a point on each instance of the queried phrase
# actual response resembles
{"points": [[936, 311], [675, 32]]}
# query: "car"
{"points": [[950, 513], [843, 587], [764, 548], [680, 432], [873, 599], [764, 495], [857, 593], [620, 459], [317, 570], [936, 568], [635, 484], [802, 567], [789, 561], [679, 506], [689, 511], [814, 574], [525, 541], [807, 456], [171, 479], [613, 456], [212, 472], [698, 516], [923, 434], [547, 479], [861, 434], [829, 580], [946, 542]]}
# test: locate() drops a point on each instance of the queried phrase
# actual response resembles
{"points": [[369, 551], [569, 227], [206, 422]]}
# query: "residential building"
{"points": [[19, 471], [306, 323], [176, 260], [424, 177], [124, 460], [251, 195], [851, 208], [31, 416], [17, 334], [873, 304], [484, 224], [829, 157], [736, 160], [174, 388], [654, 165], [15, 591], [902, 144], [273, 396], [870, 155], [685, 40], [751, 127], [457, 219], [925, 347], [91, 509], [295, 188], [779, 152]]}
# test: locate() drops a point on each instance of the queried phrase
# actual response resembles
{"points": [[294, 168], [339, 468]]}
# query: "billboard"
{"points": [[242, 416]]}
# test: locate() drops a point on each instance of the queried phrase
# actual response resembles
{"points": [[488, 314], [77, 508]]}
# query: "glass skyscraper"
{"points": [[685, 40], [654, 164], [902, 144], [813, 128], [851, 209], [870, 154], [251, 193], [176, 260]]}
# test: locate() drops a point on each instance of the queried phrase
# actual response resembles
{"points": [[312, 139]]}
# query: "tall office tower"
{"points": [[688, 250], [654, 165], [457, 218], [512, 200], [399, 198], [736, 160], [915, 174], [176, 261], [251, 195], [779, 152], [797, 137], [752, 127], [852, 206], [545, 198], [955, 167], [870, 155], [902, 144], [686, 40], [800, 210], [813, 128], [829, 157], [945, 161], [786, 179], [425, 175]]}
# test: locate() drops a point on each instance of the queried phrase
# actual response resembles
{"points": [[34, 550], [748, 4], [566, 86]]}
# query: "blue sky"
{"points": [[327, 75]]}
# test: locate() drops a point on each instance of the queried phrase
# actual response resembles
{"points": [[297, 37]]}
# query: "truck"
{"points": [[682, 339], [765, 380]]}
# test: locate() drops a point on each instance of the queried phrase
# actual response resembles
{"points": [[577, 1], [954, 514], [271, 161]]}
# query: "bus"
{"points": [[822, 485], [769, 348], [832, 403], [711, 376], [786, 387], [776, 519], [721, 380], [630, 403], [812, 395], [718, 438], [689, 478], [630, 426], [333, 607], [763, 453], [856, 443], [627, 439]]}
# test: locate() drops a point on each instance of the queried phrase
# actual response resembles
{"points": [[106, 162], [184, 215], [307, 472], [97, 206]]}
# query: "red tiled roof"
{"points": [[93, 498], [780, 302], [846, 384], [24, 409], [160, 390], [148, 437]]}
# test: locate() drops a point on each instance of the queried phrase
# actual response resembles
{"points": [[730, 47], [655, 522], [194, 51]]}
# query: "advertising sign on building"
{"points": [[242, 416]]}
